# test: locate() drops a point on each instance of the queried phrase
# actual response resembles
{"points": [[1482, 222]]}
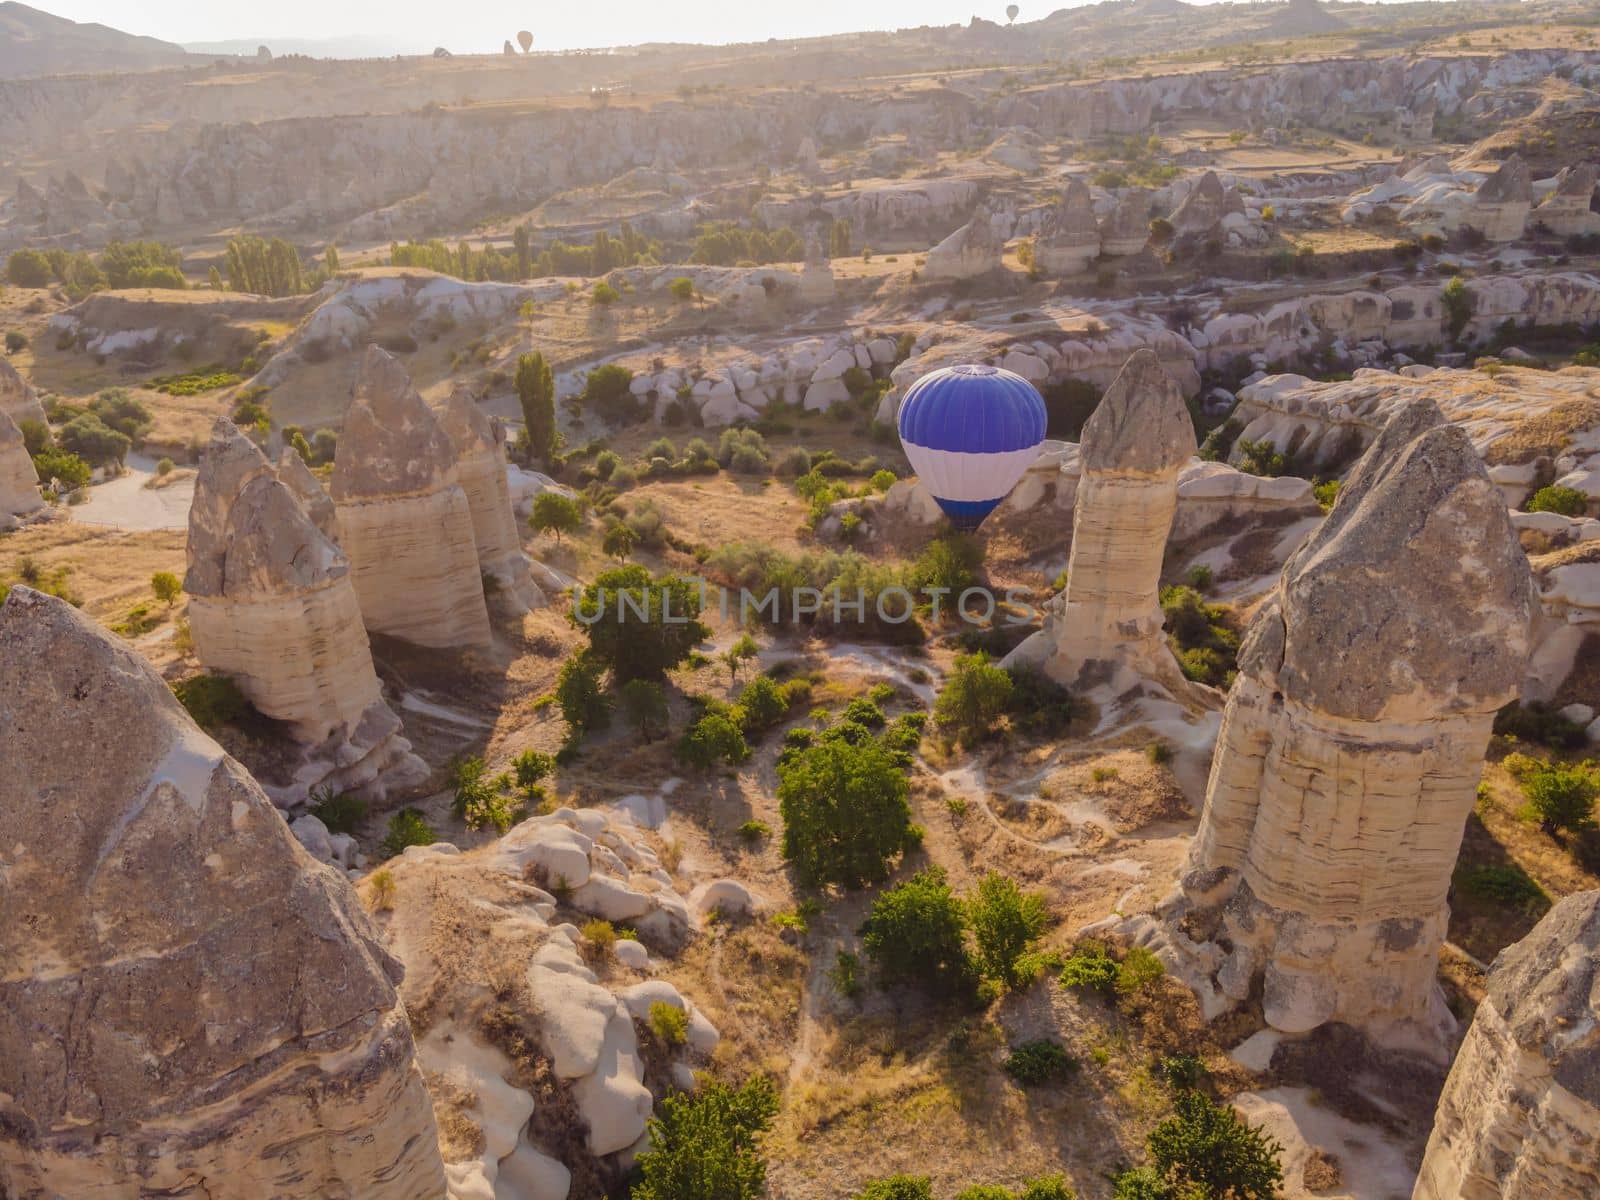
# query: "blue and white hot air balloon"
{"points": [[970, 432]]}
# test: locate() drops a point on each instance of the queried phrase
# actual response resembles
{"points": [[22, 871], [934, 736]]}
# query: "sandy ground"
{"points": [[127, 503]]}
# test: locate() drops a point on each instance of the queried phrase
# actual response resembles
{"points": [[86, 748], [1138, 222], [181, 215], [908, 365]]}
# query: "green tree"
{"points": [[682, 289], [619, 541], [917, 933], [1207, 1147], [214, 279], [973, 698], [639, 626], [1562, 796], [555, 513], [1006, 925], [166, 586], [263, 268], [737, 654], [28, 269], [644, 703], [846, 813], [1459, 304], [705, 1145], [607, 392], [715, 737], [330, 259], [839, 240], [522, 249], [604, 295], [536, 391], [583, 702], [68, 470], [91, 440]]}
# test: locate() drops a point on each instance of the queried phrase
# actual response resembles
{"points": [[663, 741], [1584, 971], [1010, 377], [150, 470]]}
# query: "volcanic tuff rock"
{"points": [[1202, 210], [481, 464], [1519, 1113], [404, 519], [1566, 211], [1352, 744], [18, 400], [1068, 238], [272, 604], [1134, 446], [974, 249], [19, 482], [1126, 228], [192, 1007], [317, 504], [1501, 205], [512, 957]]}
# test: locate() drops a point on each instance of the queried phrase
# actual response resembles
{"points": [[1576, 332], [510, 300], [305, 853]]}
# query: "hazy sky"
{"points": [[482, 25]]}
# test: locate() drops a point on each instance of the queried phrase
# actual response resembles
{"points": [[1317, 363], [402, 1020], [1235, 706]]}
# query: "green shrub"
{"points": [[69, 470], [846, 813], [950, 562], [897, 1187], [211, 700], [1039, 1062], [555, 513], [669, 1023], [715, 737], [339, 811], [583, 703], [974, 697], [1207, 1146], [1006, 924], [166, 586], [916, 934], [479, 800], [1138, 970], [15, 340], [600, 936], [1539, 723], [1090, 968], [1569, 502], [644, 704], [92, 440], [1562, 796], [1181, 1071], [408, 827], [705, 1145], [640, 626], [755, 831], [1202, 636]]}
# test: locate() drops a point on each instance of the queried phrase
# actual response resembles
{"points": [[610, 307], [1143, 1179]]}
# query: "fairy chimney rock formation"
{"points": [[817, 284], [1352, 744], [1503, 201], [1519, 1116], [19, 482], [1126, 229], [1202, 209], [272, 604], [1068, 239], [1134, 446], [404, 518], [191, 1007], [481, 464], [17, 399], [318, 505], [974, 249], [1566, 211]]}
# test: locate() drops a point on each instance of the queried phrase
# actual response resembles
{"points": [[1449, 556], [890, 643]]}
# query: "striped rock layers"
{"points": [[1068, 239], [191, 1006], [481, 466], [1520, 1115], [404, 518], [1353, 741], [272, 604], [1133, 449]]}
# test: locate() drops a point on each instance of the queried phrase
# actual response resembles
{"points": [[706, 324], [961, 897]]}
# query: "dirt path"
{"points": [[126, 503]]}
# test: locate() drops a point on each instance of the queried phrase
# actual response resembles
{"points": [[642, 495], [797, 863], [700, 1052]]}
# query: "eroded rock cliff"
{"points": [[191, 1007]]}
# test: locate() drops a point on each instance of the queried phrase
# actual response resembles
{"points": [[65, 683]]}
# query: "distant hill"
{"points": [[37, 43], [354, 46]]}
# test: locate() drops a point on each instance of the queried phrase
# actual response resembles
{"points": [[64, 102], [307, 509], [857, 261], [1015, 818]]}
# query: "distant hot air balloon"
{"points": [[525, 40], [970, 432], [1011, 12]]}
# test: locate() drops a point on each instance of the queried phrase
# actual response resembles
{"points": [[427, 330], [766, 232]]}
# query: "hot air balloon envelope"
{"points": [[1011, 12], [970, 432]]}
